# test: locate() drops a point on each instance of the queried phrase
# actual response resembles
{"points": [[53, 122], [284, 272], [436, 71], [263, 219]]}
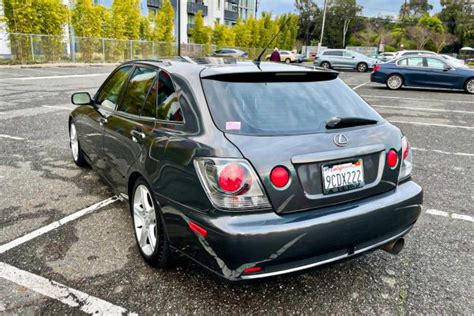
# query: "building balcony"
{"points": [[194, 7], [157, 4], [189, 28], [231, 15]]}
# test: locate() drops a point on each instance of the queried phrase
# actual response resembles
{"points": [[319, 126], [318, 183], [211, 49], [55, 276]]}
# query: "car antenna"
{"points": [[259, 57]]}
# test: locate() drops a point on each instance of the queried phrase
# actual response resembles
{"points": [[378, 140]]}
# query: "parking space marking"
{"points": [[11, 137], [56, 77], [58, 107], [361, 85], [442, 152], [413, 99], [452, 215], [432, 124], [56, 224], [66, 295], [421, 109]]}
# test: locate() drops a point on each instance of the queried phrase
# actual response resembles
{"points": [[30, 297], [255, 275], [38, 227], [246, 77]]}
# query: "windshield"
{"points": [[282, 108]]}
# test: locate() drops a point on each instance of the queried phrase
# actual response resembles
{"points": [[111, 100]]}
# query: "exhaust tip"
{"points": [[395, 247]]}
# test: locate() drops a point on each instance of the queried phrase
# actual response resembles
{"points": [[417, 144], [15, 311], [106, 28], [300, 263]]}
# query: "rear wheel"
{"points": [[394, 82], [325, 64], [148, 226], [470, 86], [77, 154], [287, 60], [362, 67]]}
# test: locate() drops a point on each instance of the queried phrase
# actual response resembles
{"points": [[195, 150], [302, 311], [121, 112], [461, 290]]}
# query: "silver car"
{"points": [[230, 52], [346, 59]]}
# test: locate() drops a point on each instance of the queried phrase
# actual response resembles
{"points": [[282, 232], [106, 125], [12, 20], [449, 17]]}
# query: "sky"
{"points": [[371, 7]]}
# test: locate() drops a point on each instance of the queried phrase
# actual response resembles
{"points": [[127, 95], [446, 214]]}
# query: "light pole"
{"points": [[322, 27], [178, 8]]}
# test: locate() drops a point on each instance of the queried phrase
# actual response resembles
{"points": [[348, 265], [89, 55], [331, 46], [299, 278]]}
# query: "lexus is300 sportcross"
{"points": [[250, 169]]}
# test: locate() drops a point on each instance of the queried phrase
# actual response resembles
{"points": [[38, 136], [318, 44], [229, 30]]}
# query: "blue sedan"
{"points": [[423, 71]]}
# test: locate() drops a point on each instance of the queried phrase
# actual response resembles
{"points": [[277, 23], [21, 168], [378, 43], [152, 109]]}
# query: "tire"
{"points": [[76, 151], [148, 226], [268, 59], [288, 61], [325, 65], [469, 86], [362, 67], [394, 82]]}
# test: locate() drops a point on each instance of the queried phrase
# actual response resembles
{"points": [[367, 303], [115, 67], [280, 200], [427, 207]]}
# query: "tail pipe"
{"points": [[395, 246]]}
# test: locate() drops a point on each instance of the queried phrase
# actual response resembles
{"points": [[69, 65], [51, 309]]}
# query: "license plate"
{"points": [[343, 177]]}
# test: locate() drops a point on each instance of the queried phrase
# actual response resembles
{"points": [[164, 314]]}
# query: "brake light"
{"points": [[279, 177], [231, 184], [252, 270], [392, 159], [197, 229], [376, 67], [407, 160]]}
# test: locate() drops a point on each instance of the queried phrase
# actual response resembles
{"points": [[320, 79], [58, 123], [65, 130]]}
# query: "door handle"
{"points": [[137, 136], [102, 121]]}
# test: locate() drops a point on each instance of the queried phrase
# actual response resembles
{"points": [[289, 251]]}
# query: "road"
{"points": [[90, 262]]}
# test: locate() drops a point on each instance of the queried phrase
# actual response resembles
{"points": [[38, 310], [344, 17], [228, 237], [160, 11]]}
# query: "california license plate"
{"points": [[343, 177]]}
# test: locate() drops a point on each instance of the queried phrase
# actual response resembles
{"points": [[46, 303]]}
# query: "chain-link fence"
{"points": [[35, 48]]}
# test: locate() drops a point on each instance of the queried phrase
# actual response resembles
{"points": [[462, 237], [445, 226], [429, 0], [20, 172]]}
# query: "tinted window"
{"points": [[137, 90], [168, 105], [435, 63], [332, 53], [110, 92], [348, 54], [412, 62], [281, 108]]}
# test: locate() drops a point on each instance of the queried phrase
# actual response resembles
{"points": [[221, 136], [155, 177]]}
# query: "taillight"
{"points": [[280, 177], [407, 160], [392, 159], [231, 183], [376, 67]]}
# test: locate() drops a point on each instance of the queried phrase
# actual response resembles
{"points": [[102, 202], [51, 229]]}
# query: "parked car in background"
{"points": [[300, 58], [455, 61], [424, 71], [467, 54], [344, 59], [404, 53], [230, 52], [384, 57], [251, 170], [285, 56]]}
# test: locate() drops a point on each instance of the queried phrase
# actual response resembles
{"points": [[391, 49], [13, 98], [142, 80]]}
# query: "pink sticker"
{"points": [[232, 126]]}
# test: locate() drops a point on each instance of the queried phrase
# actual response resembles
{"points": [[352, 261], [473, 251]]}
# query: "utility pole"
{"points": [[322, 28], [178, 9]]}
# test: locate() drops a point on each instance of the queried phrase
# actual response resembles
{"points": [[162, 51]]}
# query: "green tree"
{"points": [[243, 35], [223, 35], [201, 34], [459, 21], [164, 27]]}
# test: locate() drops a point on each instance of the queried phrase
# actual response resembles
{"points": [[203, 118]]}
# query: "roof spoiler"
{"points": [[276, 76]]}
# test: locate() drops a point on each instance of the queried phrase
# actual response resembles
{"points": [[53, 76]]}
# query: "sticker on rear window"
{"points": [[232, 126]]}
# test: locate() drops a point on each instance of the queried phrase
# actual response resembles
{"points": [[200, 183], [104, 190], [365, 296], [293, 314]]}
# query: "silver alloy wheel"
{"points": [[470, 86], [144, 220], [394, 82], [362, 67], [325, 65], [74, 142]]}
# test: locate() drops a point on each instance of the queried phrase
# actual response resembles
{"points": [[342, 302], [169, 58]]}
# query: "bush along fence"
{"points": [[38, 48]]}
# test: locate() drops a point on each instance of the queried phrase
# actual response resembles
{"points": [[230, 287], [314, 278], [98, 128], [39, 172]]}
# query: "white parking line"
{"points": [[11, 137], [415, 99], [54, 225], [58, 107], [452, 215], [361, 85], [56, 77], [66, 295], [433, 124], [421, 109], [442, 152]]}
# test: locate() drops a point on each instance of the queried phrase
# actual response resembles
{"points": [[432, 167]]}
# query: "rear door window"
{"points": [[281, 108], [169, 108]]}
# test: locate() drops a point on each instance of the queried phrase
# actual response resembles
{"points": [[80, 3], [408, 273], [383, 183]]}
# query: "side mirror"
{"points": [[81, 98]]}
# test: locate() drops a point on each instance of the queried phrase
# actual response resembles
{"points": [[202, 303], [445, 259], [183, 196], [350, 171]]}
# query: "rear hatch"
{"points": [[280, 119]]}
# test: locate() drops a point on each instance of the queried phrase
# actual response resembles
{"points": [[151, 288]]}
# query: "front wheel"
{"points": [[77, 154], [288, 61], [148, 226], [362, 67], [470, 86], [394, 82], [325, 65]]}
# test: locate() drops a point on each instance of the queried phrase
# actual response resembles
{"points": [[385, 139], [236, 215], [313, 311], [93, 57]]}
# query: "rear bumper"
{"points": [[377, 77], [291, 242]]}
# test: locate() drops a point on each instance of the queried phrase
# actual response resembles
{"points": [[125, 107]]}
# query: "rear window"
{"points": [[281, 108]]}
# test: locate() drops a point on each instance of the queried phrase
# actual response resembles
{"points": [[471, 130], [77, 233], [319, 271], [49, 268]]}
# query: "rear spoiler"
{"points": [[277, 76]]}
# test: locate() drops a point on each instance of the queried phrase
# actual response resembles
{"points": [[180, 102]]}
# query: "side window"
{"points": [[403, 62], [168, 105], [435, 63], [137, 90], [347, 54], [110, 92], [415, 62]]}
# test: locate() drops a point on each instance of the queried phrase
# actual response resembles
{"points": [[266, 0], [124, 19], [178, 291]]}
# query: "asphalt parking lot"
{"points": [[61, 252]]}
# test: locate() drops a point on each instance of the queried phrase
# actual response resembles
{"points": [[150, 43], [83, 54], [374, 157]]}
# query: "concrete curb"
{"points": [[62, 65]]}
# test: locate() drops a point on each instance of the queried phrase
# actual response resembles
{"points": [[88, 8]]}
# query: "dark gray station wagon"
{"points": [[251, 170]]}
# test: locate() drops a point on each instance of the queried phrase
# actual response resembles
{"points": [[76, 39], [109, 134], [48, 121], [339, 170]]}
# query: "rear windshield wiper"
{"points": [[342, 122]]}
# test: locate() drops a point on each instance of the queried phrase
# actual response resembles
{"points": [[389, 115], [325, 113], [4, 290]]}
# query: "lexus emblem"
{"points": [[341, 140]]}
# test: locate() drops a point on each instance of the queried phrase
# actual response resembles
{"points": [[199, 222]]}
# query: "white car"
{"points": [[455, 61], [285, 56]]}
